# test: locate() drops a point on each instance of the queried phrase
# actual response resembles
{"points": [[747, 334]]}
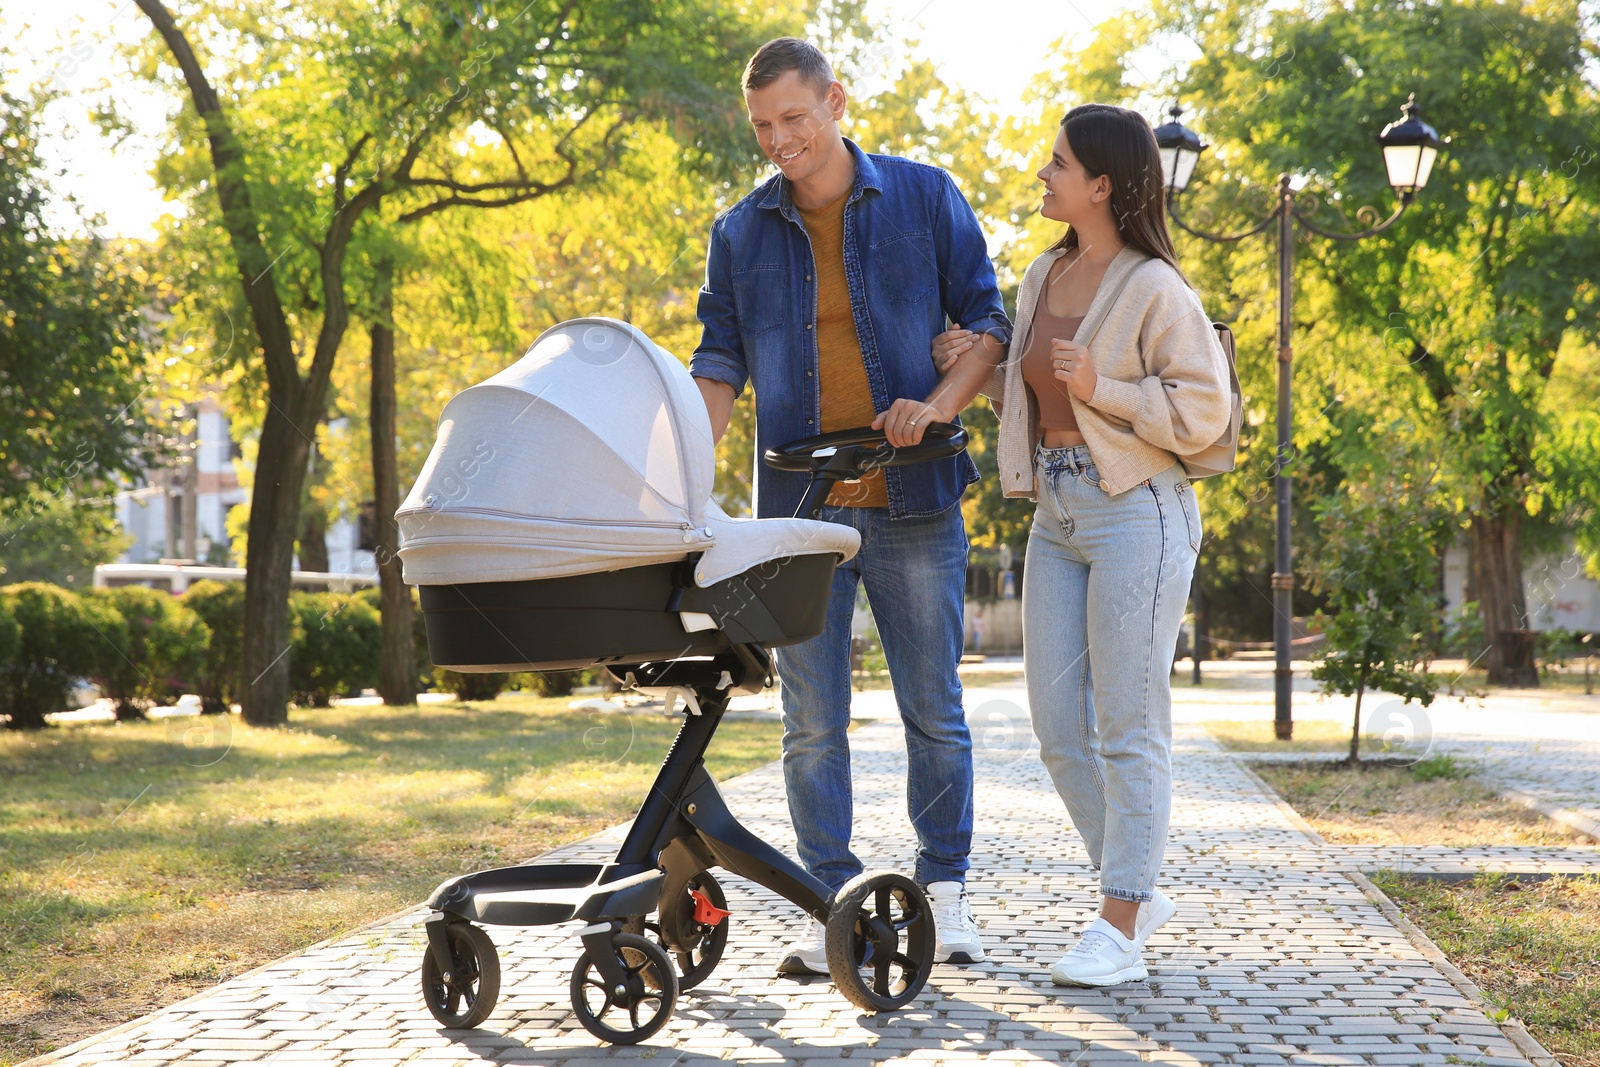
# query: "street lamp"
{"points": [[1409, 149]]}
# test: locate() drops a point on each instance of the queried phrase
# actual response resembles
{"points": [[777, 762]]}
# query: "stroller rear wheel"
{"points": [[694, 928], [880, 941], [463, 996], [636, 1009]]}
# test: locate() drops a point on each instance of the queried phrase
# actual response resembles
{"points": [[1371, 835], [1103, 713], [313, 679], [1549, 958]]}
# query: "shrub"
{"points": [[373, 596], [60, 640], [1554, 646], [10, 635], [334, 647], [220, 605], [1436, 767], [162, 650], [555, 683], [470, 686]]}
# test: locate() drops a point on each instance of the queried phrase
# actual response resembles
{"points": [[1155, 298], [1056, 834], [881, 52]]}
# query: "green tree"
{"points": [[1465, 311], [1378, 558], [59, 540], [71, 356], [307, 147]]}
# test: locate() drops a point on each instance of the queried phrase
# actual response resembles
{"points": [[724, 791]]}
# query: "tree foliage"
{"points": [[71, 349], [59, 539], [1464, 313], [309, 143]]}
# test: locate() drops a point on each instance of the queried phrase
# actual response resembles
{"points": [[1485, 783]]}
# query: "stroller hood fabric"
{"points": [[593, 452]]}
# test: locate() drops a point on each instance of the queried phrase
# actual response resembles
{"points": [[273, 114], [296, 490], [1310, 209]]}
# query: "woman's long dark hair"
{"points": [[1119, 143]]}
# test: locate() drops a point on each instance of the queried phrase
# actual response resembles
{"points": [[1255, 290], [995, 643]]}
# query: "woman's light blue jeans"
{"points": [[1103, 594], [915, 574]]}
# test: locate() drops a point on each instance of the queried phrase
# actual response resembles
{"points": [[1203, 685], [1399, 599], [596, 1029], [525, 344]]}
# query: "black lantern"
{"points": [[1409, 148], [1180, 151]]}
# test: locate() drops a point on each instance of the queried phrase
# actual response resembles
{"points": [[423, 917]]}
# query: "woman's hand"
{"points": [[905, 420], [1074, 367], [949, 346]]}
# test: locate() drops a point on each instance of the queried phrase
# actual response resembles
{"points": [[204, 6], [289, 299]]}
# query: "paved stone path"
{"points": [[1275, 955]]}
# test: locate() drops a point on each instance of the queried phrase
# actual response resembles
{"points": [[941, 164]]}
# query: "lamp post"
{"points": [[1409, 149]]}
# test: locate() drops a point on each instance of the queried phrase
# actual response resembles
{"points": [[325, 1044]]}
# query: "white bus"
{"points": [[176, 577]]}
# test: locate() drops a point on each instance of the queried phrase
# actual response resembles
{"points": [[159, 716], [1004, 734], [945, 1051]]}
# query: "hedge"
{"points": [[62, 638], [334, 647], [157, 653], [220, 605]]}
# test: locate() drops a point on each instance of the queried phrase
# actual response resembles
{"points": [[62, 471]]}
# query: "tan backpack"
{"points": [[1220, 457]]}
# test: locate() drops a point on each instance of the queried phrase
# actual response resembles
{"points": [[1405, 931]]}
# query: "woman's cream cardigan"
{"points": [[1162, 388]]}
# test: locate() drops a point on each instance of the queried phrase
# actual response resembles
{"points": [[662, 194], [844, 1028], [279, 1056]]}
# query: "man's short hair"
{"points": [[779, 56]]}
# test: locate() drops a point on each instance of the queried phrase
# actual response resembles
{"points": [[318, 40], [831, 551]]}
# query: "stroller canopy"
{"points": [[593, 452]]}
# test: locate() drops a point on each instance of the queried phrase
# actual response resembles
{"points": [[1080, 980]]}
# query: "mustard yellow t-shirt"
{"points": [[842, 374]]}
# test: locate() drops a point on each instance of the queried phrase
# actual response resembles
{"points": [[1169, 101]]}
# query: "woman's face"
{"points": [[1070, 195]]}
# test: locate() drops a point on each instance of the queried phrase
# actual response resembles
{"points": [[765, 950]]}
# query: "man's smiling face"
{"points": [[796, 123]]}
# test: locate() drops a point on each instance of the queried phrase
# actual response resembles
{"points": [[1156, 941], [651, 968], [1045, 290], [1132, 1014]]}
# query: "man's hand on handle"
{"points": [[905, 421]]}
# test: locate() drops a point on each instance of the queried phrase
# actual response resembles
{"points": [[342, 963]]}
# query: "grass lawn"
{"points": [[1551, 680], [140, 863], [1533, 948], [1434, 802]]}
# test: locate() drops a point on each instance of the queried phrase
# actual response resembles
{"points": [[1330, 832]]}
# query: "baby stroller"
{"points": [[564, 520]]}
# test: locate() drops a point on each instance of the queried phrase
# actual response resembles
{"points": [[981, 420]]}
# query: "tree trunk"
{"points": [[397, 667], [1355, 727], [1496, 537], [274, 514], [313, 538]]}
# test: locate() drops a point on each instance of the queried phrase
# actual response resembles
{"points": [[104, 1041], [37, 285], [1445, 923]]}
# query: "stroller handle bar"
{"points": [[939, 440], [845, 455]]}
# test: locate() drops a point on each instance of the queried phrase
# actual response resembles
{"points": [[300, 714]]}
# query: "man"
{"points": [[824, 289]]}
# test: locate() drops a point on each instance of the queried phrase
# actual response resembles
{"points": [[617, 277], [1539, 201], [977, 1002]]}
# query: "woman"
{"points": [[1114, 372]]}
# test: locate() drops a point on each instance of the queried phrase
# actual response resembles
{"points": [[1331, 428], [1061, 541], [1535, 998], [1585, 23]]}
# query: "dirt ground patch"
{"points": [[1382, 804]]}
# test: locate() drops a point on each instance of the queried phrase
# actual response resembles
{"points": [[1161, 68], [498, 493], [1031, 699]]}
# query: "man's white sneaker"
{"points": [[1153, 915], [1101, 957], [808, 955], [956, 933]]}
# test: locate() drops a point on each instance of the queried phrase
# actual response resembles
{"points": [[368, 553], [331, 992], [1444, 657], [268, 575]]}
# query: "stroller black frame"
{"points": [[880, 933]]}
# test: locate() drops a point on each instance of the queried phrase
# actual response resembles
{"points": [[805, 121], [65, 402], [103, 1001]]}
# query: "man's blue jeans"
{"points": [[914, 571]]}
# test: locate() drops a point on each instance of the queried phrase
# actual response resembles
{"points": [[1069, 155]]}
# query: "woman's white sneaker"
{"points": [[956, 937], [1153, 915], [1101, 957]]}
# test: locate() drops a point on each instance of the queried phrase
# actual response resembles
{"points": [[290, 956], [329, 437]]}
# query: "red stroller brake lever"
{"points": [[705, 912]]}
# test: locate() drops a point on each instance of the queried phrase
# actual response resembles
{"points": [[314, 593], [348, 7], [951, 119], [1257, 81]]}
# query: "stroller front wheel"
{"points": [[880, 940], [463, 996], [613, 1013]]}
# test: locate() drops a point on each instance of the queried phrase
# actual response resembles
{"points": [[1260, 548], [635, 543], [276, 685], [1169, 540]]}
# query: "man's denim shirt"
{"points": [[914, 257]]}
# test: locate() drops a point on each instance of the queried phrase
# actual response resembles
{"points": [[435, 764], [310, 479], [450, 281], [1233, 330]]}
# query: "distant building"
{"points": [[1559, 594], [181, 512]]}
